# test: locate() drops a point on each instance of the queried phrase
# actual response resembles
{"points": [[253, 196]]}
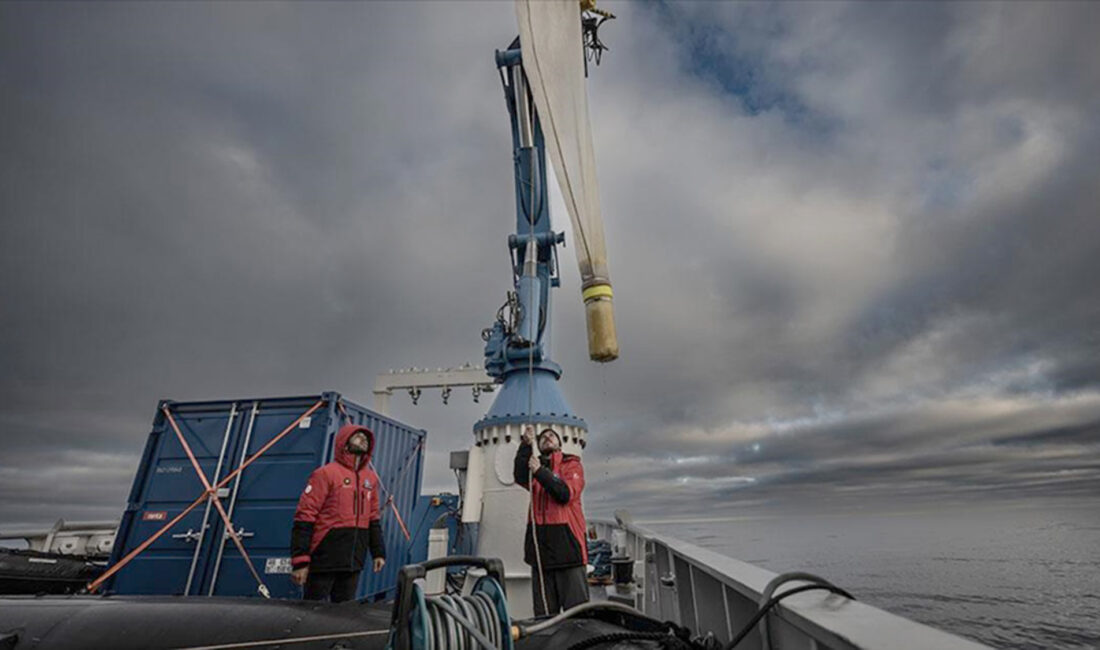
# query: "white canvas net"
{"points": [[553, 60]]}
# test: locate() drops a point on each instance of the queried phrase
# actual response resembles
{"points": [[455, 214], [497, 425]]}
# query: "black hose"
{"points": [[577, 609], [766, 607], [772, 588], [667, 639]]}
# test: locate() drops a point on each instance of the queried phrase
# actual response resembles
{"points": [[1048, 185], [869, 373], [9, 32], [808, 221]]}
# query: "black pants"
{"points": [[565, 588], [334, 586]]}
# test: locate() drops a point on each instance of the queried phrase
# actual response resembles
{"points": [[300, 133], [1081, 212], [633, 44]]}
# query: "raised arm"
{"points": [[519, 467], [554, 485]]}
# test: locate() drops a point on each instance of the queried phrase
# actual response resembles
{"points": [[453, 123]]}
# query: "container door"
{"points": [[262, 499], [170, 565]]}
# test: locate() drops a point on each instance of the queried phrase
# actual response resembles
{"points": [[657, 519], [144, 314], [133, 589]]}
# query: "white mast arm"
{"points": [[416, 379]]}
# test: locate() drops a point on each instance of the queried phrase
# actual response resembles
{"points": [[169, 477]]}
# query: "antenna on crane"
{"points": [[591, 20]]}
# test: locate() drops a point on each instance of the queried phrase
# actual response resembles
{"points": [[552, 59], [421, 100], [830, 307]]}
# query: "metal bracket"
{"points": [[190, 536], [241, 532]]}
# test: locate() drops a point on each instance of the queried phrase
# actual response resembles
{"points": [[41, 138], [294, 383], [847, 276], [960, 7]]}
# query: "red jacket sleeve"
{"points": [[573, 475], [375, 509], [305, 516], [313, 497], [377, 543]]}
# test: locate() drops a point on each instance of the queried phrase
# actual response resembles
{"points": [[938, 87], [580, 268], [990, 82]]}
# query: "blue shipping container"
{"points": [[196, 557]]}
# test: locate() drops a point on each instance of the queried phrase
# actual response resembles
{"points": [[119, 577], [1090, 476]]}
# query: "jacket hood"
{"points": [[340, 446]]}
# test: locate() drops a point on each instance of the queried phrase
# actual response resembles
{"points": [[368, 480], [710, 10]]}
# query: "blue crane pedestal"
{"points": [[497, 502]]}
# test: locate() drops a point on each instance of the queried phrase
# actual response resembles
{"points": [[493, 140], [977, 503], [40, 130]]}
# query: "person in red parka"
{"points": [[559, 526], [338, 520]]}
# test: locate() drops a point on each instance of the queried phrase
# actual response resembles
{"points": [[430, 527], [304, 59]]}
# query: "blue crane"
{"points": [[517, 344]]}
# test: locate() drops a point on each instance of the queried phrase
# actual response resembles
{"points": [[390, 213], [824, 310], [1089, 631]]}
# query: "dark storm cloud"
{"points": [[853, 246], [915, 275], [234, 200], [965, 450]]}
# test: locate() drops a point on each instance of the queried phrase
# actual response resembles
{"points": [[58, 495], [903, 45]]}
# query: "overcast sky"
{"points": [[855, 247]]}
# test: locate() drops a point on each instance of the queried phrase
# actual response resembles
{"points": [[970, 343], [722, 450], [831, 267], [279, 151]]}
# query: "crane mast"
{"points": [[517, 343], [519, 339]]}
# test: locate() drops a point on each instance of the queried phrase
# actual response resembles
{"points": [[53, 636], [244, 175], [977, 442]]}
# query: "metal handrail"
{"points": [[707, 591]]}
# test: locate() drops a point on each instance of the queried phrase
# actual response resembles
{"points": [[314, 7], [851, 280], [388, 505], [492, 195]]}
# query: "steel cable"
{"points": [[531, 353]]}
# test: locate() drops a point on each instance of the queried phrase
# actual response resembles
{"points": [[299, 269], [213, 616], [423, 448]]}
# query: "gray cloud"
{"points": [[859, 236]]}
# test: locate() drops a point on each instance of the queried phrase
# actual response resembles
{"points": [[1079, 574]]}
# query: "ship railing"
{"points": [[706, 591], [86, 538]]}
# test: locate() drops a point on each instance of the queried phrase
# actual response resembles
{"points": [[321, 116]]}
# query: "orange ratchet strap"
{"points": [[211, 492]]}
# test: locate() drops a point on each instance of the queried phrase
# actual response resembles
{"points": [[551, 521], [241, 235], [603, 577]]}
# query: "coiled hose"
{"points": [[463, 622], [467, 622]]}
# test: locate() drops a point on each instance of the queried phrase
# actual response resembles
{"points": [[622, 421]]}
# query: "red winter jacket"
{"points": [[559, 515], [338, 518]]}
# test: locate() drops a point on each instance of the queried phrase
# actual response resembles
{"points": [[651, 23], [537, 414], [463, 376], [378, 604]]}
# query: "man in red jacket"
{"points": [[559, 524], [337, 520]]}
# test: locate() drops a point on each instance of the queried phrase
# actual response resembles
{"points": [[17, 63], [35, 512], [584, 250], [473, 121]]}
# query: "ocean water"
{"points": [[1021, 578]]}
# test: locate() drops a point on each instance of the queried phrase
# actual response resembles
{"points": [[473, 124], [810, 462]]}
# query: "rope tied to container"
{"points": [[118, 566], [212, 495], [389, 495]]}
